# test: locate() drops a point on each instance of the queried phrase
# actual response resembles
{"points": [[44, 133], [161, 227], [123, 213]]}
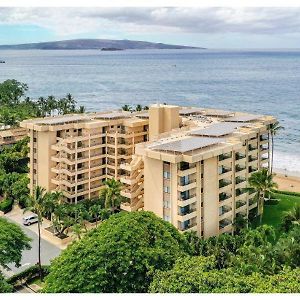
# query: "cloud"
{"points": [[72, 21]]}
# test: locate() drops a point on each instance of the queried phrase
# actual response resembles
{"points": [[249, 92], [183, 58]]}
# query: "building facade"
{"points": [[10, 136], [188, 165]]}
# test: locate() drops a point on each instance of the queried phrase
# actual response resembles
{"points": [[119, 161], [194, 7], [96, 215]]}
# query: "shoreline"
{"points": [[287, 181]]}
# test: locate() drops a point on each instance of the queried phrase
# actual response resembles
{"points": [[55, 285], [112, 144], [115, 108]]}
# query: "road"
{"points": [[30, 257]]}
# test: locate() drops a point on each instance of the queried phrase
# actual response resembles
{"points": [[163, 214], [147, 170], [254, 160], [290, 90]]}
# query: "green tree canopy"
{"points": [[12, 242], [118, 256], [199, 275]]}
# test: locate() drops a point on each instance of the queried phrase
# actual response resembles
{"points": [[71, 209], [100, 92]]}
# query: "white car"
{"points": [[30, 220]]}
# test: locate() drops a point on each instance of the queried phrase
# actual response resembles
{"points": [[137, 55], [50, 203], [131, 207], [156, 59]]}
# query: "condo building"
{"points": [[10, 136], [187, 165]]}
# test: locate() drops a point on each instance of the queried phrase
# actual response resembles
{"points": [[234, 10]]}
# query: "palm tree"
{"points": [[139, 107], [112, 194], [36, 204], [274, 129], [126, 107], [261, 182], [290, 218], [94, 212]]}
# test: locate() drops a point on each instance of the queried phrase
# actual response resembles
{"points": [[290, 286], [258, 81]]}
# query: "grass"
{"points": [[273, 213]]}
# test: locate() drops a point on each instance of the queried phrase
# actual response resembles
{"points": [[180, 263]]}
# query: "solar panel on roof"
{"points": [[190, 111], [61, 119], [218, 129], [218, 113], [245, 118], [113, 115], [187, 144]]}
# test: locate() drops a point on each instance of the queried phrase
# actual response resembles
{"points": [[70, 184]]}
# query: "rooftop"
{"points": [[218, 129], [187, 144], [244, 118]]}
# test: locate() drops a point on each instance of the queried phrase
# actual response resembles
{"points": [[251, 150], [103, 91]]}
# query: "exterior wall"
{"points": [[153, 188], [211, 197]]}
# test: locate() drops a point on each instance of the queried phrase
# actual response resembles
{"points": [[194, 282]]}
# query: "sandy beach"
{"points": [[287, 181]]}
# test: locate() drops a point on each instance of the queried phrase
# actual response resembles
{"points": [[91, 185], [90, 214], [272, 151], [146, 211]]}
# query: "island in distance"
{"points": [[86, 44]]}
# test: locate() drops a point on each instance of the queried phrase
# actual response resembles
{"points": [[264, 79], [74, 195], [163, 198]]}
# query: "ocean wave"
{"points": [[287, 161]]}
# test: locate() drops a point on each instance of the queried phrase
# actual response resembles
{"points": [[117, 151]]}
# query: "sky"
{"points": [[194, 26]]}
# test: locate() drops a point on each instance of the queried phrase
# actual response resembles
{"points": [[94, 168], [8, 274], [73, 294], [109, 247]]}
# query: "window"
{"points": [[167, 189], [166, 204], [167, 175], [167, 218]]}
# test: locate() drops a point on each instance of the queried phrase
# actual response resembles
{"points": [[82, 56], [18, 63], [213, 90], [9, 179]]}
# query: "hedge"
{"points": [[287, 193], [27, 275], [6, 205]]}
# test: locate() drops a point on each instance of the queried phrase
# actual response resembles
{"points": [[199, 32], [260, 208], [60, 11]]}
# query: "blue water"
{"points": [[258, 81]]}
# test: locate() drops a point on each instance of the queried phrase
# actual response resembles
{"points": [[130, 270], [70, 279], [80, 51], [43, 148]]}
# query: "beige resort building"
{"points": [[10, 136], [187, 165]]}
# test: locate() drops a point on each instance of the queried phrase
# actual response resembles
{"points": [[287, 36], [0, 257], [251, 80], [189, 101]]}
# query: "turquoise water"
{"points": [[260, 81]]}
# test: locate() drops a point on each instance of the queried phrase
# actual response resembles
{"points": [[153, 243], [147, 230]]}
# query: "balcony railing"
{"points": [[240, 204], [239, 180], [251, 147], [239, 192], [224, 196], [224, 223], [239, 168], [186, 212], [239, 156], [224, 156], [187, 182], [187, 197], [224, 170], [263, 138], [252, 158], [223, 183], [224, 210]]}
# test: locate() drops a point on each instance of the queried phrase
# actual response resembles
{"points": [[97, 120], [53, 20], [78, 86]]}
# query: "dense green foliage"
{"points": [[251, 262], [27, 275], [261, 182], [6, 205], [13, 242], [200, 275], [15, 106], [13, 172], [118, 256], [274, 212], [5, 287]]}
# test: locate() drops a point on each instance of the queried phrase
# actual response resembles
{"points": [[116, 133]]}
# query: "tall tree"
{"points": [[262, 183], [274, 129], [13, 241], [120, 255], [112, 194], [291, 218], [36, 204]]}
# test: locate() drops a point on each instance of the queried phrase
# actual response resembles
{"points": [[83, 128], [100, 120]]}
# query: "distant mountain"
{"points": [[84, 44]]}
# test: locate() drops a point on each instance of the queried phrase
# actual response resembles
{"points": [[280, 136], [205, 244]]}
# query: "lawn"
{"points": [[273, 213]]}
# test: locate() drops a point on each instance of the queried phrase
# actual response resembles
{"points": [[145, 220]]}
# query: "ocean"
{"points": [[256, 81]]}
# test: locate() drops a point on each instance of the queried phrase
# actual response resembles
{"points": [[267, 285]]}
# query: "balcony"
{"points": [[251, 147], [239, 192], [225, 226], [224, 196], [263, 138], [239, 156], [239, 180], [251, 159], [190, 184], [187, 171], [252, 169], [224, 183], [186, 200], [190, 227], [224, 170], [239, 168], [224, 156], [186, 215]]}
